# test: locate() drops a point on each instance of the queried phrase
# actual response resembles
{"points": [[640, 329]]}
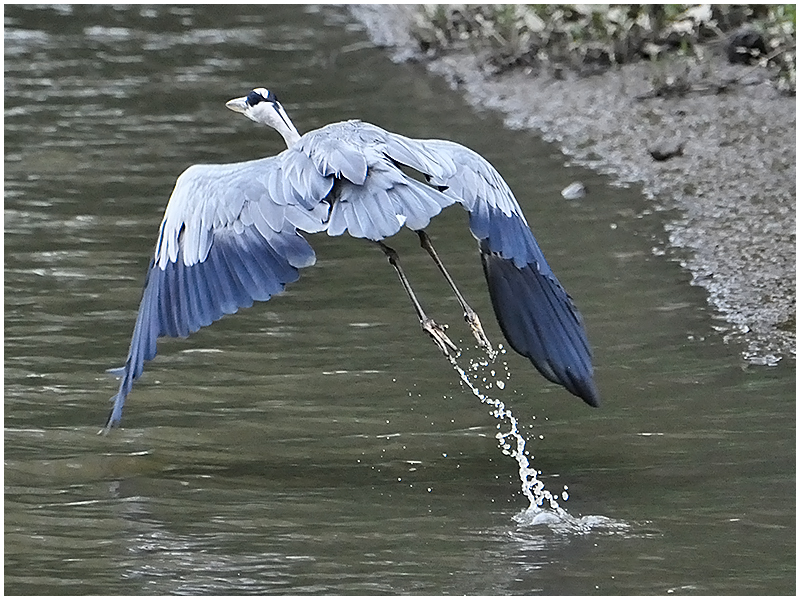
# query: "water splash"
{"points": [[544, 508]]}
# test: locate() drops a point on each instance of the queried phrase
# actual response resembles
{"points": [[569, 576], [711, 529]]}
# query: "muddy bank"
{"points": [[732, 181]]}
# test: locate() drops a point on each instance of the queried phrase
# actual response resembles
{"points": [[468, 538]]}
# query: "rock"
{"points": [[666, 149], [574, 191]]}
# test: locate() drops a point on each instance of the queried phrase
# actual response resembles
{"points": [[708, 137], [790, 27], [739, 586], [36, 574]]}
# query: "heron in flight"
{"points": [[232, 234]]}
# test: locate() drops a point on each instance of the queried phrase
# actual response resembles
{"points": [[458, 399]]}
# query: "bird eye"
{"points": [[254, 98]]}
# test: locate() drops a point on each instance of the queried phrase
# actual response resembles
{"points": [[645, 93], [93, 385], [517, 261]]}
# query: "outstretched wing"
{"points": [[228, 238], [535, 313]]}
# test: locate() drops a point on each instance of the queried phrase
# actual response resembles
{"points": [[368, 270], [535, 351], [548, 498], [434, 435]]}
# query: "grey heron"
{"points": [[232, 234]]}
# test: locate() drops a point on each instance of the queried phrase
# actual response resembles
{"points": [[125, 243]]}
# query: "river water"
{"points": [[319, 443]]}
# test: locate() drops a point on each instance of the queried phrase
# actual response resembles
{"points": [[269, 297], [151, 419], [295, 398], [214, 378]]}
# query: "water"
{"points": [[543, 506], [319, 443]]}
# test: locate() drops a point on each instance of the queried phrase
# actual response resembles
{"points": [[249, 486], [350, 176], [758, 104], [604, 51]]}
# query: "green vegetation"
{"points": [[591, 38]]}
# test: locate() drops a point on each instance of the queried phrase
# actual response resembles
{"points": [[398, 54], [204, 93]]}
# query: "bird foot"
{"points": [[438, 335], [471, 317]]}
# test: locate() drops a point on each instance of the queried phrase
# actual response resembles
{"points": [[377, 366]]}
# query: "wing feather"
{"points": [[225, 242], [535, 313], [540, 322]]}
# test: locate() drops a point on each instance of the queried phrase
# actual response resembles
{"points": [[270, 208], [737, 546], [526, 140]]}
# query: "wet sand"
{"points": [[733, 183]]}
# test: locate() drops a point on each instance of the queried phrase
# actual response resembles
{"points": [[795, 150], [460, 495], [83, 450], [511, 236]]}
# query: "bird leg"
{"points": [[470, 316], [431, 327]]}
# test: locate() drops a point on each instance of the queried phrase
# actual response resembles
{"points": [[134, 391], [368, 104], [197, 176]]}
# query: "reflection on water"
{"points": [[318, 443]]}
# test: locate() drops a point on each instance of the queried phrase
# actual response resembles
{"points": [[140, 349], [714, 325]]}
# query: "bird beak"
{"points": [[237, 104]]}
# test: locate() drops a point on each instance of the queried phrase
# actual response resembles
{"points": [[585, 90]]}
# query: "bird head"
{"points": [[262, 106]]}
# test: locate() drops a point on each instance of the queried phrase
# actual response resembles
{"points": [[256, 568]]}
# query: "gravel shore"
{"points": [[732, 180]]}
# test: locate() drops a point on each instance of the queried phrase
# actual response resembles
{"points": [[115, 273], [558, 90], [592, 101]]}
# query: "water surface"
{"points": [[318, 443]]}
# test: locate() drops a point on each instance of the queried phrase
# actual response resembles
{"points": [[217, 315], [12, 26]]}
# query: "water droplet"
{"points": [[511, 442]]}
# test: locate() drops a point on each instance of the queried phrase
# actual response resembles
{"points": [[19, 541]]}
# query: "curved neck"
{"points": [[290, 135], [276, 117]]}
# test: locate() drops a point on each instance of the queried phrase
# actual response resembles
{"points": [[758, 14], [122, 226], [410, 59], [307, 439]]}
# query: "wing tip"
{"points": [[115, 416], [540, 322], [584, 388], [111, 423]]}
